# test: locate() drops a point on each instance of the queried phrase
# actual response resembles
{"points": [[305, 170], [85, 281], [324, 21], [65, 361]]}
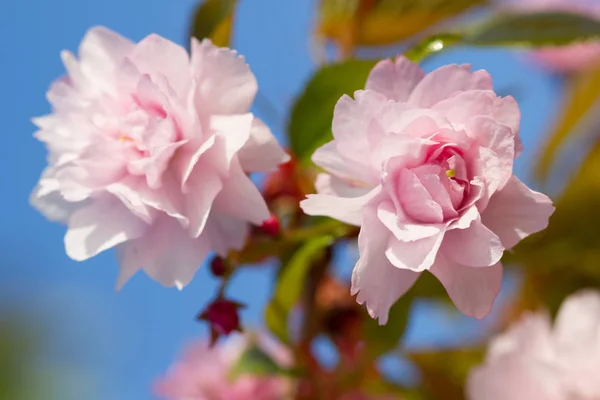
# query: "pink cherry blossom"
{"points": [[568, 58], [149, 150], [423, 164], [204, 373], [534, 360]]}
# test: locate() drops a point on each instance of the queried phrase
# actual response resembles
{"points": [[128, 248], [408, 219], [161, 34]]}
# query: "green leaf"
{"points": [[254, 361], [310, 120], [290, 284], [583, 93], [383, 338], [213, 19], [352, 23], [534, 29]]}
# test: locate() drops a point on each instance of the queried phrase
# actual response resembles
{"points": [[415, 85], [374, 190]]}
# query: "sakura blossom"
{"points": [[534, 359], [206, 373], [423, 163], [149, 150]]}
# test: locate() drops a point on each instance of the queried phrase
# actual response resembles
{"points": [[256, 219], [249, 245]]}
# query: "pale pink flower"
{"points": [[535, 361], [149, 150], [205, 373], [423, 163], [569, 58]]}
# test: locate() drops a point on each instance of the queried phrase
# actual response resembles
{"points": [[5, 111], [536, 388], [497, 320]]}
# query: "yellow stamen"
{"points": [[125, 138], [450, 173]]}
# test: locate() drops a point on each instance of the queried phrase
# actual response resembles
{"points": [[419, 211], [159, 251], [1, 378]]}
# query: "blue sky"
{"points": [[116, 343]]}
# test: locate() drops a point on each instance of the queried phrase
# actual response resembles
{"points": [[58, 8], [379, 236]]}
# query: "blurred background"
{"points": [[65, 332]]}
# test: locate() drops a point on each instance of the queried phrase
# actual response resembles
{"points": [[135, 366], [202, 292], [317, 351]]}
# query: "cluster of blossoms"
{"points": [[150, 150], [535, 360]]}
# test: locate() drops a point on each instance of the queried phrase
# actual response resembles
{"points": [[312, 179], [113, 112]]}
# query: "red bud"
{"points": [[271, 226], [223, 317]]}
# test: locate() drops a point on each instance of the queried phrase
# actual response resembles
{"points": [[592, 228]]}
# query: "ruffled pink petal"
{"points": [[530, 337], [463, 106], [233, 132], [345, 209], [473, 290], [225, 83], [165, 252], [475, 246], [376, 281], [46, 198], [516, 378], [202, 188], [351, 120], [415, 200], [412, 151], [446, 81], [500, 139], [240, 198], [329, 158], [226, 232], [101, 53], [157, 56], [262, 152], [332, 185], [395, 79], [403, 229], [89, 235], [431, 177], [417, 255], [578, 322], [516, 212]]}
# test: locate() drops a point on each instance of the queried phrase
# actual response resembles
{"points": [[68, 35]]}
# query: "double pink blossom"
{"points": [[149, 153], [205, 373], [423, 163], [534, 360]]}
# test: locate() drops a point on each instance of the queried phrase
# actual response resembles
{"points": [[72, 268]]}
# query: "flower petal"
{"points": [[225, 84], [226, 232], [262, 152], [517, 378], [376, 281], [415, 200], [102, 224], [446, 81], [416, 255], [240, 198], [345, 209], [329, 158], [101, 53], [402, 229], [202, 187], [157, 56], [165, 252], [46, 198], [395, 79], [516, 212], [330, 184], [473, 290], [463, 106], [475, 246], [233, 132], [351, 120]]}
